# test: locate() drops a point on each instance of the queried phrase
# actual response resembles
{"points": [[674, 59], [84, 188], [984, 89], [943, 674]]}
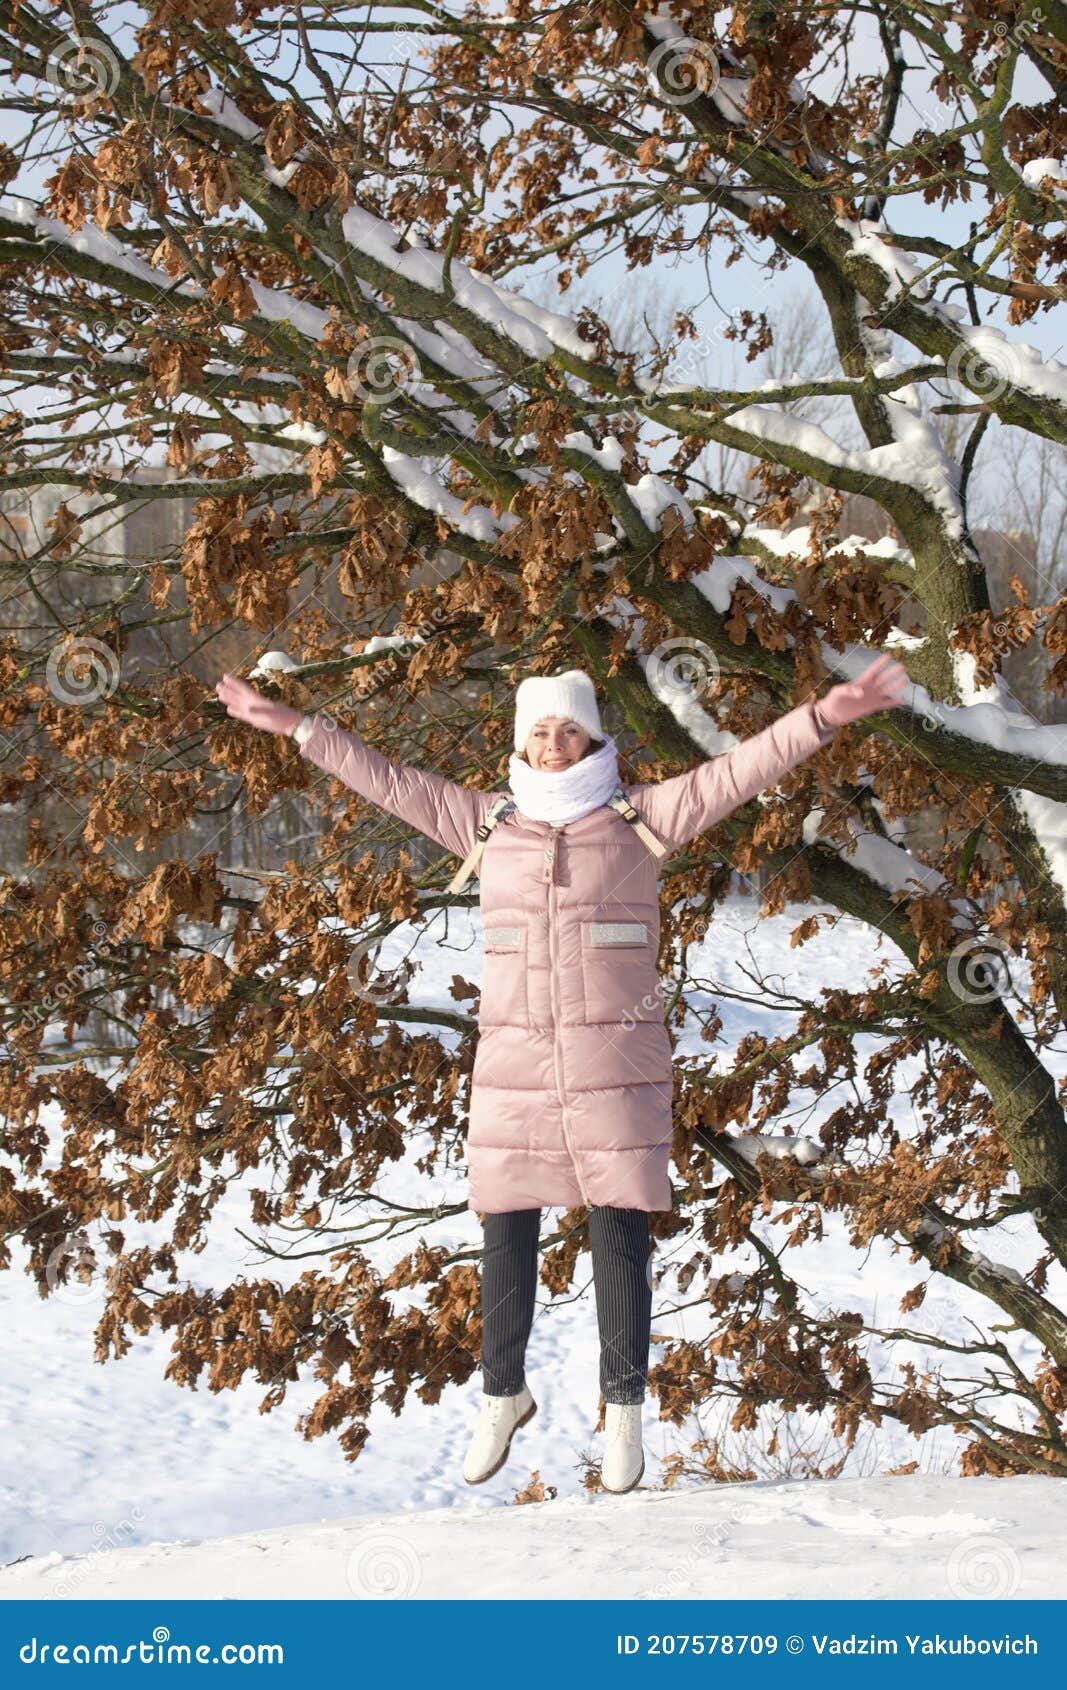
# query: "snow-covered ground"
{"points": [[115, 1482], [928, 1538]]}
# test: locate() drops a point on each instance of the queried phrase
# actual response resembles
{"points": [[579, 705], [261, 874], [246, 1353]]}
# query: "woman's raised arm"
{"points": [[440, 808], [679, 808]]}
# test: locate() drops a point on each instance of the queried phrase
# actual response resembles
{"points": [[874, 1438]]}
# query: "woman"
{"points": [[571, 1087]]}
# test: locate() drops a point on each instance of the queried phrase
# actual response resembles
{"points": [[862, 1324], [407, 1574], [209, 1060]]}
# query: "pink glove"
{"points": [[250, 706], [880, 687]]}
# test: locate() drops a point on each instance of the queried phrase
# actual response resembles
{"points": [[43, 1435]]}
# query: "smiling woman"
{"points": [[555, 743], [571, 1090]]}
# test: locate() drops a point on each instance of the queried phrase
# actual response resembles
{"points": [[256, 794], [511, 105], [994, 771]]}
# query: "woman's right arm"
{"points": [[440, 808]]}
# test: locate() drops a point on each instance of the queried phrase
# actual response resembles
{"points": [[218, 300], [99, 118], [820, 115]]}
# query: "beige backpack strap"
{"points": [[470, 862], [619, 801]]}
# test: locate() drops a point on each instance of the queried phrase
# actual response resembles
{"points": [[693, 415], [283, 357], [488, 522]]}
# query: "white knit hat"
{"points": [[571, 695]]}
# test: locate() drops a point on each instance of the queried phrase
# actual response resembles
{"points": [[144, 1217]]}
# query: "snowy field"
{"points": [[116, 1483], [922, 1538]]}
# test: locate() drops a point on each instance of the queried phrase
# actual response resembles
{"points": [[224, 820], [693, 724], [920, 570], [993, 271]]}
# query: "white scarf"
{"points": [[564, 795]]}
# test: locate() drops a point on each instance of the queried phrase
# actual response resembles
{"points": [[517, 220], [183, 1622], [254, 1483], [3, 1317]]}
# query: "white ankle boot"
{"points": [[500, 1417], [624, 1457]]}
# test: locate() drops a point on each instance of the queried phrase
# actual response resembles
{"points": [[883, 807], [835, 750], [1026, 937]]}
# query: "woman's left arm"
{"points": [[679, 808]]}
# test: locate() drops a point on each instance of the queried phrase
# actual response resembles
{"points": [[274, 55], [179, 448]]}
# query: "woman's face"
{"points": [[555, 743]]}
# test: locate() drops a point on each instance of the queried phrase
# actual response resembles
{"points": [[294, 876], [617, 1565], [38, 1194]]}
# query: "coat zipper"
{"points": [[550, 876]]}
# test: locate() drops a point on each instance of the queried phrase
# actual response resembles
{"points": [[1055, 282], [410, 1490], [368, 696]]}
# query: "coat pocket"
{"points": [[619, 970], [504, 1001]]}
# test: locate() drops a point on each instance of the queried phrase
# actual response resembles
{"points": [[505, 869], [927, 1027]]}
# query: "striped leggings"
{"points": [[622, 1281]]}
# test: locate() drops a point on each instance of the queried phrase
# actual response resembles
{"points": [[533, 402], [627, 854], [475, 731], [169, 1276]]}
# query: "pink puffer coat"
{"points": [[572, 1082]]}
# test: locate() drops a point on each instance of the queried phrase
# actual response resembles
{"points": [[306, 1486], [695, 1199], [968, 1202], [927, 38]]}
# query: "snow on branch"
{"points": [[794, 542], [273, 305], [914, 459], [1015, 361], [536, 331]]}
